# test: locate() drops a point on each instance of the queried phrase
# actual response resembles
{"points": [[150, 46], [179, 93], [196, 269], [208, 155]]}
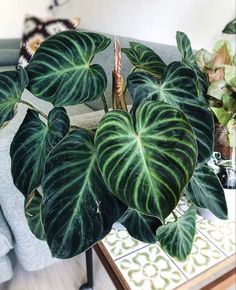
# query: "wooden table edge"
{"points": [[217, 272]]}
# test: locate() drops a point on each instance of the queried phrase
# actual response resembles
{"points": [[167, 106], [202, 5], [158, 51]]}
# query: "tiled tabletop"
{"points": [[148, 267]]}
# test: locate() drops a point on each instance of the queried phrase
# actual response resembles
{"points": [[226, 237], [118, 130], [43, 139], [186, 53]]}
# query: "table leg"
{"points": [[89, 270]]}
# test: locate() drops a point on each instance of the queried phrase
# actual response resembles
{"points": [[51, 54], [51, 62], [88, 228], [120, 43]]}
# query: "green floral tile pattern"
{"points": [[150, 269], [120, 243], [203, 256], [183, 205], [221, 233]]}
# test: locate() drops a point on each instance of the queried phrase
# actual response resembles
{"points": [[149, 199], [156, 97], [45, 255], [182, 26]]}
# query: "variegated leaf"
{"points": [[141, 227], [176, 238], [61, 71], [177, 87], [146, 162], [12, 85], [144, 58], [33, 214], [206, 191], [31, 144], [78, 210]]}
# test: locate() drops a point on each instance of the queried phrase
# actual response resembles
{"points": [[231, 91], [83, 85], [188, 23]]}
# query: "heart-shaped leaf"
{"points": [[144, 58], [177, 238], [33, 214], [141, 227], [32, 143], [206, 191], [230, 28], [12, 85], [177, 87], [78, 210], [61, 71], [184, 47], [146, 162]]}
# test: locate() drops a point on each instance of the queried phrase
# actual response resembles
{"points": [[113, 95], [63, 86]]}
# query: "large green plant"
{"points": [[77, 183]]}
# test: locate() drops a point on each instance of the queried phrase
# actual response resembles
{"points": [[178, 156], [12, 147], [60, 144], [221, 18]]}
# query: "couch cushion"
{"points": [[9, 56], [12, 43]]}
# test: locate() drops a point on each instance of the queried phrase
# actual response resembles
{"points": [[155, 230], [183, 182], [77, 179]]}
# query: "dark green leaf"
{"points": [[146, 164], [33, 214], [177, 87], [206, 191], [32, 143], [185, 50], [144, 58], [78, 210], [12, 85], [230, 28], [61, 71], [184, 47], [177, 238], [141, 227]]}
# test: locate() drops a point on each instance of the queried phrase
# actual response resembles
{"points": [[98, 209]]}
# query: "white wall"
{"points": [[154, 20]]}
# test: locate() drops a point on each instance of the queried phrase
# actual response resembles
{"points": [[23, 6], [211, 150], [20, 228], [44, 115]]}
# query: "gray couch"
{"points": [[31, 253]]}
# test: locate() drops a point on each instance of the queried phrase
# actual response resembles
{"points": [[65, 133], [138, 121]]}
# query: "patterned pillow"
{"points": [[36, 30]]}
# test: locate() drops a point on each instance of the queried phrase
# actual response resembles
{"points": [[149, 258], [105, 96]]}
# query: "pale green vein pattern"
{"points": [[61, 71], [33, 214], [146, 164], [178, 88], [31, 144], [176, 238], [206, 191], [78, 210], [12, 85]]}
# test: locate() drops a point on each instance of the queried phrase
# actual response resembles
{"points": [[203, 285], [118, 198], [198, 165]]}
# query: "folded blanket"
{"points": [[6, 271], [6, 243]]}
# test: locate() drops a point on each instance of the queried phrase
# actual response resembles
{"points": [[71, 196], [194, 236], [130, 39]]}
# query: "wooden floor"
{"points": [[64, 275]]}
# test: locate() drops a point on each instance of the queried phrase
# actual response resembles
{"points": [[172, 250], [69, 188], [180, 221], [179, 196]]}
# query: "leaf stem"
{"points": [[103, 97], [34, 108], [175, 216]]}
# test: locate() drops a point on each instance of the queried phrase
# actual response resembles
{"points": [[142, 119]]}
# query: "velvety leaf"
{"points": [[222, 115], [146, 162], [144, 58], [217, 88], [176, 238], [61, 71], [141, 227], [185, 50], [230, 75], [184, 47], [177, 87], [230, 28], [33, 214], [206, 191], [12, 85], [78, 210], [31, 145]]}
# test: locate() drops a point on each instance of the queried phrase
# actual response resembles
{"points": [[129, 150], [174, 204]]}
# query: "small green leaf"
{"points": [[78, 210], [176, 238], [206, 191], [184, 47], [144, 58], [141, 227], [147, 160], [217, 88], [12, 85], [230, 75], [61, 72], [31, 144], [229, 102], [33, 214], [230, 28], [222, 115]]}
